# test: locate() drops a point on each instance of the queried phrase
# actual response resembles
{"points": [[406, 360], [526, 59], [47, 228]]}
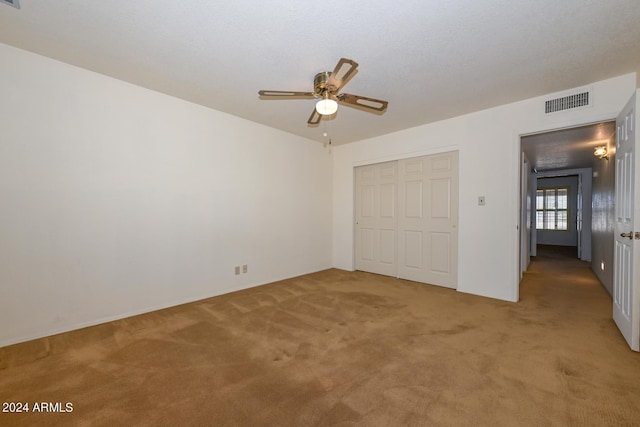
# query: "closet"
{"points": [[406, 218]]}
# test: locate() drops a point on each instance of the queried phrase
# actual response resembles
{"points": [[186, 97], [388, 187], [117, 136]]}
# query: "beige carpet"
{"points": [[339, 348]]}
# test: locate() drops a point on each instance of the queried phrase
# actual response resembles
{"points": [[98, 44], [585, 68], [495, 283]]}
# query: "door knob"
{"points": [[637, 235], [629, 235]]}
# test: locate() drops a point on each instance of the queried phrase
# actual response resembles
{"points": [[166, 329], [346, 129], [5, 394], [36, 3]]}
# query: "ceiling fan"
{"points": [[326, 86]]}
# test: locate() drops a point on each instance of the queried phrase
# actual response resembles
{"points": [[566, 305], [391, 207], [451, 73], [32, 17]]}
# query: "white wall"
{"points": [[489, 146], [116, 200]]}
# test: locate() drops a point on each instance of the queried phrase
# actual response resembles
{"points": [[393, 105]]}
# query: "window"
{"points": [[552, 208]]}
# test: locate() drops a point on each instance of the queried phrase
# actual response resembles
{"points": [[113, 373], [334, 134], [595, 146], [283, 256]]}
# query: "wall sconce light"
{"points": [[601, 152]]}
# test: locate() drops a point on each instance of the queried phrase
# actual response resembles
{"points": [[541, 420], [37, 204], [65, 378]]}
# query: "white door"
{"points": [[428, 219], [626, 278], [525, 214], [579, 216], [533, 231], [376, 219]]}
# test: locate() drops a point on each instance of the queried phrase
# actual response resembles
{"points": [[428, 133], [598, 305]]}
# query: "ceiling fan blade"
{"points": [[314, 118], [341, 74], [362, 101], [285, 94]]}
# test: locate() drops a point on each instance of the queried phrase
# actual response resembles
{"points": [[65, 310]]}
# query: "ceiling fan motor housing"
{"points": [[320, 82]]}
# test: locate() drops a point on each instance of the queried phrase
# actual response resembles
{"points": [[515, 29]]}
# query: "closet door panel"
{"points": [[427, 219], [376, 218]]}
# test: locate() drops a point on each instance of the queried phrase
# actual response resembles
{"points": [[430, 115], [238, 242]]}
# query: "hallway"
{"points": [[558, 280]]}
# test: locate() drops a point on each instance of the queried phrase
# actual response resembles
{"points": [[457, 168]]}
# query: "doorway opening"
{"points": [[568, 194]]}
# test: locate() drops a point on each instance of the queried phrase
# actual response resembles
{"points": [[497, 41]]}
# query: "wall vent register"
{"points": [[567, 102]]}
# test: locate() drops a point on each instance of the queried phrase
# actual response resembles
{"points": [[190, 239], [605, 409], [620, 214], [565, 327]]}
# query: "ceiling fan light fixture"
{"points": [[326, 106]]}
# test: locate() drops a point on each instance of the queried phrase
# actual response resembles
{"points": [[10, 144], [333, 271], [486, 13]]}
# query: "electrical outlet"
{"points": [[481, 201], [244, 268], [237, 270]]}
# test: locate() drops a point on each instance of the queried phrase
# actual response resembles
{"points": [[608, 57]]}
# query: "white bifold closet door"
{"points": [[376, 218], [428, 219], [415, 235]]}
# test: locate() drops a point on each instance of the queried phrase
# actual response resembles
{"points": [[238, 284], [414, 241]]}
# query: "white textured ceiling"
{"points": [[431, 59]]}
